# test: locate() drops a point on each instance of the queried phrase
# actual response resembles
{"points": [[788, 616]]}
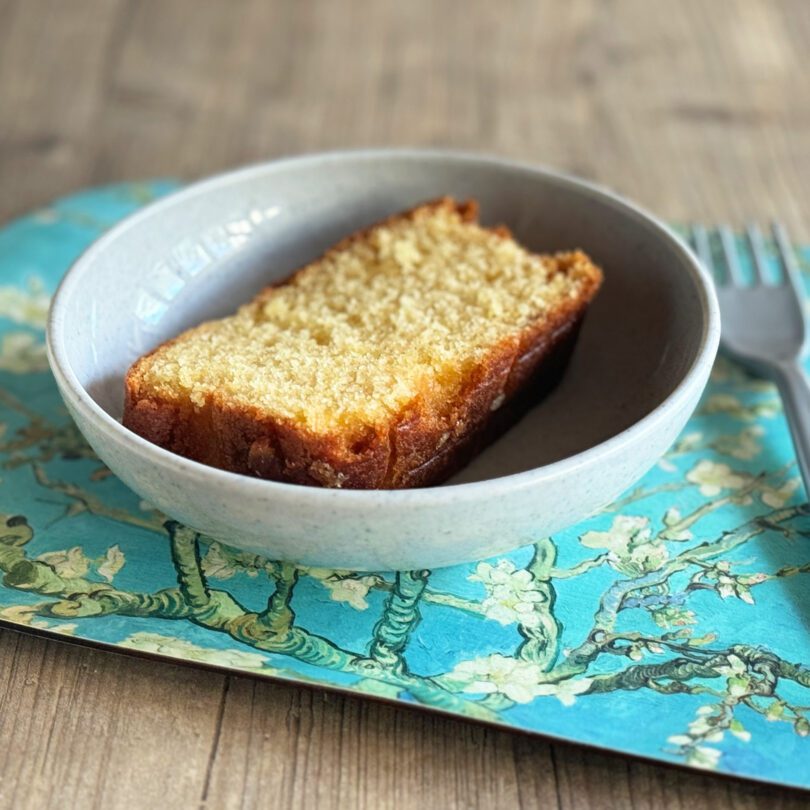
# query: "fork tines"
{"points": [[719, 252]]}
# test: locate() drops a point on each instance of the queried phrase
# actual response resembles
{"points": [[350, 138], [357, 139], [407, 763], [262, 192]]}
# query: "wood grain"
{"points": [[697, 110], [90, 729]]}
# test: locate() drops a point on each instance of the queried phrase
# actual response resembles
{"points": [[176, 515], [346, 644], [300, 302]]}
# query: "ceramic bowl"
{"points": [[641, 363]]}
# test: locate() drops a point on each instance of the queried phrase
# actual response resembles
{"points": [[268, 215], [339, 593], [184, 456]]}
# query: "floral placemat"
{"points": [[674, 625]]}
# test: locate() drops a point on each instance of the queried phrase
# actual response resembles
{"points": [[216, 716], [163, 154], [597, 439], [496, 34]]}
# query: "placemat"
{"points": [[673, 625]]}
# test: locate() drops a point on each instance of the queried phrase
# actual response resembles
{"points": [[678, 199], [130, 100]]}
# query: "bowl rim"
{"points": [[694, 376]]}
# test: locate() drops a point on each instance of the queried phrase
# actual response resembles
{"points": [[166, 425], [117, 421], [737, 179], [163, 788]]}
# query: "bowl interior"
{"points": [[203, 251]]}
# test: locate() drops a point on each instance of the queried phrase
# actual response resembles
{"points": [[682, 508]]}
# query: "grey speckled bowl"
{"points": [[641, 363]]}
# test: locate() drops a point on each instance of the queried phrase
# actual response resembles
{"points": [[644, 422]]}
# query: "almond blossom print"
{"points": [[632, 548], [351, 589], [499, 674], [743, 445], [733, 406], [712, 478], [727, 372], [511, 593], [180, 648], [22, 353], [25, 304], [777, 497]]}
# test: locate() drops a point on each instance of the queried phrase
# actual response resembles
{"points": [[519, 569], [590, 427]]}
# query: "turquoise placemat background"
{"points": [[674, 625]]}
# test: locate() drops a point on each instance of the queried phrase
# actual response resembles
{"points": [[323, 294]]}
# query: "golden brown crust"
{"points": [[418, 448]]}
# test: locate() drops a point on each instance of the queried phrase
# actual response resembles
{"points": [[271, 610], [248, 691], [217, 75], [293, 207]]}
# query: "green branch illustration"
{"points": [[541, 637], [399, 618], [272, 630], [40, 441], [613, 599]]}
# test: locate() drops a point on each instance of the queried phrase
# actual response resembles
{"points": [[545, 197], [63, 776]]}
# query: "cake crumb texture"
{"points": [[396, 326]]}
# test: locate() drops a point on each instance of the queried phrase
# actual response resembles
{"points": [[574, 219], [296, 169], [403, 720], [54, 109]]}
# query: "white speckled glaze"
{"points": [[642, 360]]}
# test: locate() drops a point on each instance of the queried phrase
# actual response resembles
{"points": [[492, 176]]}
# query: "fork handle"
{"points": [[794, 386]]}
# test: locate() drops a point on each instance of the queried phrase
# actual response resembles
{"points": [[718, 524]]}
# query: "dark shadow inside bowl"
{"points": [[614, 379]]}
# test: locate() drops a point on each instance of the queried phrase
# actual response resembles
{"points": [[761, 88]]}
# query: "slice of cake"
{"points": [[386, 363]]}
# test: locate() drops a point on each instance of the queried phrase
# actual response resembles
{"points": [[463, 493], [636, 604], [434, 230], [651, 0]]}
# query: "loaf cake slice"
{"points": [[386, 363]]}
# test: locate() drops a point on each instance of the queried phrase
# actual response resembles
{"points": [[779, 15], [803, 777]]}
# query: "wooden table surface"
{"points": [[697, 110]]}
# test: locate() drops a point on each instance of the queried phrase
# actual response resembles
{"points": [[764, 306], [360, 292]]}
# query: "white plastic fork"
{"points": [[763, 324]]}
